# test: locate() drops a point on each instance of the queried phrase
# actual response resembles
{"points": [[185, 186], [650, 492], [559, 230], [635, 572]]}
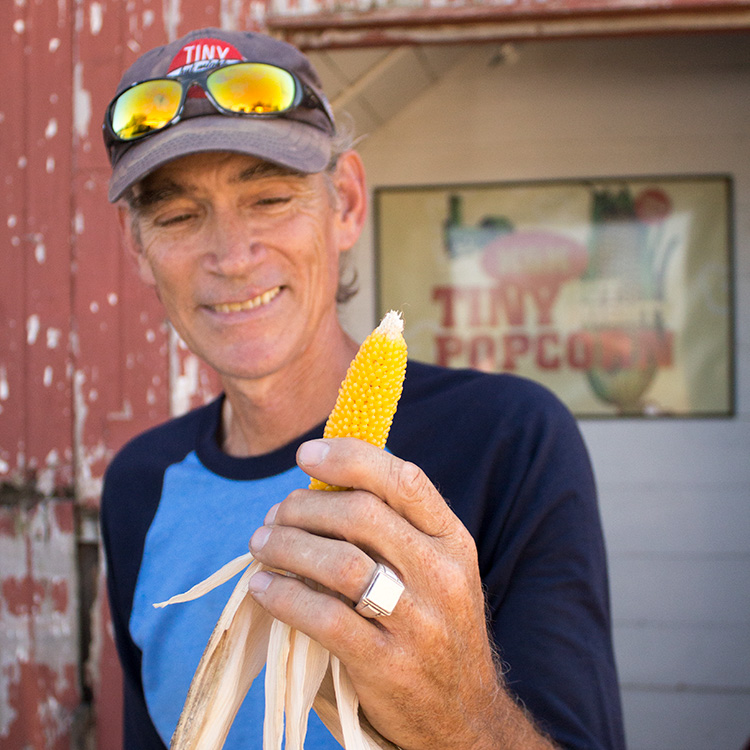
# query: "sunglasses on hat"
{"points": [[243, 88]]}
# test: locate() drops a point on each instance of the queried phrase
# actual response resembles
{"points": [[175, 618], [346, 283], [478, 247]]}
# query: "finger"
{"points": [[325, 618], [355, 516], [348, 462], [337, 565]]}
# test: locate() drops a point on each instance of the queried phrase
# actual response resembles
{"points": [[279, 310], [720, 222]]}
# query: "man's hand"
{"points": [[425, 675]]}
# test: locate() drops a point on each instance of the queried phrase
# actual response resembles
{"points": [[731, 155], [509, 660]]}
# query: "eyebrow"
{"points": [[148, 197], [267, 169]]}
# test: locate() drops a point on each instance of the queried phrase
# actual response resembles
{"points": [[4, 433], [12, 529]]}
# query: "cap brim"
{"points": [[282, 141]]}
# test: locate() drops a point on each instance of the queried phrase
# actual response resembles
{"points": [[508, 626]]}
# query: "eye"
{"points": [[275, 200], [173, 219]]}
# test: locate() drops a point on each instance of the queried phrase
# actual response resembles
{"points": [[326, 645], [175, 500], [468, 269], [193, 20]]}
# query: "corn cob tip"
{"points": [[392, 325]]}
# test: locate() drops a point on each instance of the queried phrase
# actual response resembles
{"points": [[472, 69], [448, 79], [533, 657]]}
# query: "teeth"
{"points": [[261, 299]]}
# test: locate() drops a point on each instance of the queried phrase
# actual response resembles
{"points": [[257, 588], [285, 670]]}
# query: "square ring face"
{"points": [[384, 592]]}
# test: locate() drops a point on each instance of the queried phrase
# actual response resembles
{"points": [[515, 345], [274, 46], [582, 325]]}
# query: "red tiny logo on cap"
{"points": [[202, 54]]}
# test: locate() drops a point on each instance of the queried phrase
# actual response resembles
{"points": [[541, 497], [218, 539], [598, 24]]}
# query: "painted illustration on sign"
{"points": [[615, 294]]}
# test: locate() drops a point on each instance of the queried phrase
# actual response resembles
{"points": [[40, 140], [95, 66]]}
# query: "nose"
{"points": [[234, 251]]}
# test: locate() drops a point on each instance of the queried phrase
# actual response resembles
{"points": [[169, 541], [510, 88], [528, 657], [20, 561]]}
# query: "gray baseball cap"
{"points": [[300, 138]]}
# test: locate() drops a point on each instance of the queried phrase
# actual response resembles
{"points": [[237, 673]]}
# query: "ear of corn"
{"points": [[300, 673], [369, 395]]}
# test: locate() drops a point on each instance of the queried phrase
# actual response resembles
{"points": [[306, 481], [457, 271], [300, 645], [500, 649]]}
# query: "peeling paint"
{"points": [[79, 19], [46, 480], [39, 690], [50, 164], [19, 26], [25, 596], [230, 13], [132, 19], [184, 375], [172, 16], [125, 414], [81, 103], [51, 130], [47, 377], [81, 411], [88, 485], [53, 337], [32, 329], [185, 385], [96, 18], [40, 252], [12, 221], [4, 389], [54, 44]]}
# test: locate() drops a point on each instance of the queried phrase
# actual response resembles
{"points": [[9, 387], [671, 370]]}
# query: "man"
{"points": [[238, 204]]}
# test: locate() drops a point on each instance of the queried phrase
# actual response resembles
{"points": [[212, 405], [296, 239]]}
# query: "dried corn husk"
{"points": [[308, 662], [233, 658], [300, 674], [276, 668]]}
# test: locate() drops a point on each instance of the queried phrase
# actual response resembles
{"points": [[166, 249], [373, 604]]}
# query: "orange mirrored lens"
{"points": [[252, 88], [146, 107]]}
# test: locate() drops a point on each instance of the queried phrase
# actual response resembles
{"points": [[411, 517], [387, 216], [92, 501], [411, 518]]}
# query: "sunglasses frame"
{"points": [[304, 96]]}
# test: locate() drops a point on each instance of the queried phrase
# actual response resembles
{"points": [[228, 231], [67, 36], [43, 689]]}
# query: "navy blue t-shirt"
{"points": [[508, 458]]}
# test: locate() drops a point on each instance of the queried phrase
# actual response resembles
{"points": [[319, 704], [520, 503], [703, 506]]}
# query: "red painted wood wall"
{"points": [[86, 358]]}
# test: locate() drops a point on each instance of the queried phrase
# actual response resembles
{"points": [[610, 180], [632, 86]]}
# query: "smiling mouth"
{"points": [[250, 304]]}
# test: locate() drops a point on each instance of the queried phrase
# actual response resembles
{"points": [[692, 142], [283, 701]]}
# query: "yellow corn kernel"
{"points": [[369, 395]]}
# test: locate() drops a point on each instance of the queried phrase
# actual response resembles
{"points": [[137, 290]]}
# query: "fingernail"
{"points": [[271, 515], [259, 538], [313, 452], [259, 582]]}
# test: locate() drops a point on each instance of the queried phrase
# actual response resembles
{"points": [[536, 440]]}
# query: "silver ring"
{"points": [[382, 595]]}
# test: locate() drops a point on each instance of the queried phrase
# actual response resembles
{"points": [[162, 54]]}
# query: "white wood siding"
{"points": [[675, 495]]}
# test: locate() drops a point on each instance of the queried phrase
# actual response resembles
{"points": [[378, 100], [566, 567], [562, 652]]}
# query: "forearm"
{"points": [[489, 719], [508, 727]]}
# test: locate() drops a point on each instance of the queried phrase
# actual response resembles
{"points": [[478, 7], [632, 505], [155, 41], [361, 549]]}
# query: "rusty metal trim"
{"points": [[477, 23]]}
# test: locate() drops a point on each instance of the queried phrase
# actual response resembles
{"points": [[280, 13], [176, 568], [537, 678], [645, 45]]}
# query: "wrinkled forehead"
{"points": [[235, 167], [198, 174]]}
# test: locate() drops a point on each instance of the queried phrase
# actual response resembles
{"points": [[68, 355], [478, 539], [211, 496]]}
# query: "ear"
{"points": [[351, 194], [133, 245]]}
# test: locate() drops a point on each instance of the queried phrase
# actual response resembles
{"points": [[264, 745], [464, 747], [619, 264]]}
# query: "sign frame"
{"points": [[645, 333]]}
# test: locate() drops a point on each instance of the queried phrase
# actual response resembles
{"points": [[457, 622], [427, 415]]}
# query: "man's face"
{"points": [[244, 256]]}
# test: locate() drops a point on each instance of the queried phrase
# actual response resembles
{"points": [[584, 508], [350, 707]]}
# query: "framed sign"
{"points": [[614, 293]]}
